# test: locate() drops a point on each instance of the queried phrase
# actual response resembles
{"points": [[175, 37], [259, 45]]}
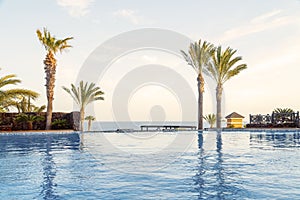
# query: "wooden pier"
{"points": [[166, 127]]}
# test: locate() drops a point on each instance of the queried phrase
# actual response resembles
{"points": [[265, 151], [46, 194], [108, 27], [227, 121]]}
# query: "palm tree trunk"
{"points": [[28, 106], [200, 85], [50, 70], [49, 114], [89, 124], [30, 125], [219, 104], [81, 118]]}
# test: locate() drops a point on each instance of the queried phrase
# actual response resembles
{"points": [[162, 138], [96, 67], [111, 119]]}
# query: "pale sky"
{"points": [[265, 33]]}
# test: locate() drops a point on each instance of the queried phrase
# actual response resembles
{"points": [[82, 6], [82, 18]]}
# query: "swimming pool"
{"points": [[179, 165]]}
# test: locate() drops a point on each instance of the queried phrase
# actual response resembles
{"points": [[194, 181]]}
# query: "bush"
{"points": [[29, 120], [60, 124]]}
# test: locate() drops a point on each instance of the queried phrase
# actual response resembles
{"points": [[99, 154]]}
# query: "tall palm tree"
{"points": [[52, 46], [83, 95], [211, 119], [223, 67], [90, 118], [199, 56]]}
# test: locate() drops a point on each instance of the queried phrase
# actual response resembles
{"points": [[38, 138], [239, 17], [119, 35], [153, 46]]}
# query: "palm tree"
{"points": [[83, 95], [4, 96], [283, 110], [211, 119], [221, 69], [52, 46], [23, 103], [60, 124], [282, 115], [9, 80], [11, 98], [198, 57], [7, 97], [90, 118], [29, 119]]}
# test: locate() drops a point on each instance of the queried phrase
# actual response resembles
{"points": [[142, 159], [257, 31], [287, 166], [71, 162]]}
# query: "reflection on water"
{"points": [[277, 140], [215, 166], [214, 179], [49, 167], [138, 153], [31, 152], [198, 178], [49, 172], [220, 172], [219, 177]]}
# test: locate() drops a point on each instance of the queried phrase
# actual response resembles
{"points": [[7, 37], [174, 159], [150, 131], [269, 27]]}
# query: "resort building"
{"points": [[234, 120]]}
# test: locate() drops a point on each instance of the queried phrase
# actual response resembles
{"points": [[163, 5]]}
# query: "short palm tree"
{"points": [[9, 80], [23, 103], [283, 110], [52, 46], [198, 57], [282, 114], [4, 96], [11, 98], [60, 124], [221, 69], [29, 119], [211, 119], [8, 96], [90, 118], [83, 95]]}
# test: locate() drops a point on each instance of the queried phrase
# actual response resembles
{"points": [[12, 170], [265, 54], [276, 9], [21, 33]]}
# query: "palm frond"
{"points": [[199, 55], [85, 93], [211, 119], [283, 110], [90, 117], [224, 65], [51, 43]]}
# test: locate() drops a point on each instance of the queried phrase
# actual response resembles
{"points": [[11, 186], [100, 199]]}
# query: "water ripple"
{"points": [[215, 166]]}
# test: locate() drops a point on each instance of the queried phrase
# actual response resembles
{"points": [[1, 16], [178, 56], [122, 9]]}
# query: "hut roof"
{"points": [[234, 115]]}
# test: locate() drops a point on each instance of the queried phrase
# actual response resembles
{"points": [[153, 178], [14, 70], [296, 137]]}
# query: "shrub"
{"points": [[60, 124], [29, 119]]}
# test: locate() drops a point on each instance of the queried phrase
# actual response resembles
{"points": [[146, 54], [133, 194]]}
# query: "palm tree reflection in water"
{"points": [[210, 179], [219, 168], [198, 178], [81, 141], [49, 173]]}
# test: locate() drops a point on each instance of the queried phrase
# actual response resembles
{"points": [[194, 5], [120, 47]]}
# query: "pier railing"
{"points": [[275, 119], [166, 127]]}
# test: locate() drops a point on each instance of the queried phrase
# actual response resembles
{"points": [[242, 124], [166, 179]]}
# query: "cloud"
{"points": [[277, 61], [261, 23], [76, 8], [130, 15], [265, 16]]}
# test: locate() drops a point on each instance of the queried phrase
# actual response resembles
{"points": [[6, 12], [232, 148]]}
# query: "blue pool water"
{"points": [[183, 165]]}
